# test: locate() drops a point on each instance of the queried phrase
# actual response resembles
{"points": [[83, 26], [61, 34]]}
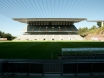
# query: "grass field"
{"points": [[40, 50]]}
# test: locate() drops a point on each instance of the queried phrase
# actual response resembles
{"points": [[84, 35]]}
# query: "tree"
{"points": [[99, 24], [93, 27], [6, 35], [83, 31]]}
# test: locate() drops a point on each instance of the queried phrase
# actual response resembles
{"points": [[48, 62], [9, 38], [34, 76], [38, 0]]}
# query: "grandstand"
{"points": [[50, 29]]}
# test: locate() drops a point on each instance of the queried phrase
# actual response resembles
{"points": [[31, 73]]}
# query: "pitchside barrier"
{"points": [[91, 53], [52, 67]]}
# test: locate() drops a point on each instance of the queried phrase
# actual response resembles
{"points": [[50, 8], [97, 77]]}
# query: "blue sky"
{"points": [[90, 9]]}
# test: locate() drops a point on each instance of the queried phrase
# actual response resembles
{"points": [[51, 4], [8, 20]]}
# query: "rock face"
{"points": [[96, 37]]}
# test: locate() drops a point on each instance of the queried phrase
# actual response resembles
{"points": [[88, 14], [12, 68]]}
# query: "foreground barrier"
{"points": [[51, 67]]}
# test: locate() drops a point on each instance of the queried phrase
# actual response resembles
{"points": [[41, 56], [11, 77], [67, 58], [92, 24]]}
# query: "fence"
{"points": [[51, 67]]}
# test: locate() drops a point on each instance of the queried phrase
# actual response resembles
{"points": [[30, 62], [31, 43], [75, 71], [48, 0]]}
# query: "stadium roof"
{"points": [[95, 21], [26, 20]]}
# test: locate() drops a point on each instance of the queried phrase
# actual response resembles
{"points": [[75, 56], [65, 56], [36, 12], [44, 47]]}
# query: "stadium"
{"points": [[46, 29], [50, 45]]}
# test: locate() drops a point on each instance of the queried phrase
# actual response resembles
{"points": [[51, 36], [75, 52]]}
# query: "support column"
{"points": [[102, 24]]}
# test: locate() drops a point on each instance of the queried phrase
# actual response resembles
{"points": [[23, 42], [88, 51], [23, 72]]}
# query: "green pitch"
{"points": [[40, 50]]}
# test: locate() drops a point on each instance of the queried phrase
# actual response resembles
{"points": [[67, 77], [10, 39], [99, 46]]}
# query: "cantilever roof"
{"points": [[95, 21], [26, 20]]}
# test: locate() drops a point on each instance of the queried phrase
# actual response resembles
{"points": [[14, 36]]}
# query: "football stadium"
{"points": [[50, 45]]}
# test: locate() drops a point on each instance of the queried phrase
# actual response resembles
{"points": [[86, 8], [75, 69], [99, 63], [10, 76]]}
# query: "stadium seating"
{"points": [[52, 32], [65, 37], [85, 56], [29, 28], [57, 37], [51, 28], [49, 37]]}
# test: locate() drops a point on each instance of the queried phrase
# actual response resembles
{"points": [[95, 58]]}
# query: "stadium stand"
{"points": [[49, 37], [50, 29]]}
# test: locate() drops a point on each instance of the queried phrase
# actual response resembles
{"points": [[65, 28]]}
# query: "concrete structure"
{"points": [[50, 28], [102, 21]]}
